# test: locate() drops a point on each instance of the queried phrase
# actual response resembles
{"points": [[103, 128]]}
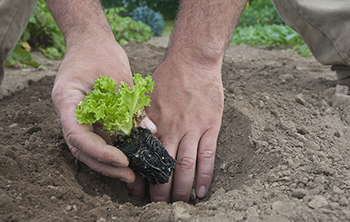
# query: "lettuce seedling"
{"points": [[120, 111], [113, 108]]}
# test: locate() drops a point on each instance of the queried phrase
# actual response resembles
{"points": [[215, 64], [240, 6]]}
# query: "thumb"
{"points": [[147, 123]]}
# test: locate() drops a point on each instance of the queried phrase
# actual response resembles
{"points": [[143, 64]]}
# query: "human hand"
{"points": [[187, 106], [82, 65]]}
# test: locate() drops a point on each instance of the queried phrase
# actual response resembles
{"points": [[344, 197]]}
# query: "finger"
{"points": [[125, 174], [82, 137], [205, 163], [137, 188], [161, 192], [186, 166], [94, 146], [98, 130], [147, 123]]}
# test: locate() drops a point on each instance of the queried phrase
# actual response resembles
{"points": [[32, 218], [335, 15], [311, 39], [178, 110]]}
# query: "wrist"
{"points": [[186, 75], [196, 53], [80, 20], [91, 43], [88, 37], [204, 60]]}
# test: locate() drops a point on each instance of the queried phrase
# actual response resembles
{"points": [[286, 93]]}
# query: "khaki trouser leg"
{"points": [[14, 17], [323, 24], [325, 27]]}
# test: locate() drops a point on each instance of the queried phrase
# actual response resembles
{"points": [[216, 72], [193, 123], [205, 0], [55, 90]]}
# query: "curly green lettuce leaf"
{"points": [[113, 108]]}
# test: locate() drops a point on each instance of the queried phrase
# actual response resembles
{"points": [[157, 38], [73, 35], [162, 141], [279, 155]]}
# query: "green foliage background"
{"points": [[260, 12], [125, 29], [260, 26], [167, 8], [42, 33], [150, 17]]}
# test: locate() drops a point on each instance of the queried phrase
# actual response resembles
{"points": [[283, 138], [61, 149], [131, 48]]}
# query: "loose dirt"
{"points": [[282, 153]]}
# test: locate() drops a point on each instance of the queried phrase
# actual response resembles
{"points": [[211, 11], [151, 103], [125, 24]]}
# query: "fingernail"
{"points": [[124, 180], [147, 123], [201, 192]]}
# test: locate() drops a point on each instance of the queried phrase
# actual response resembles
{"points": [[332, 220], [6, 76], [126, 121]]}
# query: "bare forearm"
{"points": [[79, 19], [203, 28]]}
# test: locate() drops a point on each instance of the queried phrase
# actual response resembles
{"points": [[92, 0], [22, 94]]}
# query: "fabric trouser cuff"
{"points": [[343, 74]]}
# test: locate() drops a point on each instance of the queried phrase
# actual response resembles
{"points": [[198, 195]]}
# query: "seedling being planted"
{"points": [[121, 111]]}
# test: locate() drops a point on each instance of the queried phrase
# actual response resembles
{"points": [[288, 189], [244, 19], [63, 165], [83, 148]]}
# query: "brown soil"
{"points": [[277, 158]]}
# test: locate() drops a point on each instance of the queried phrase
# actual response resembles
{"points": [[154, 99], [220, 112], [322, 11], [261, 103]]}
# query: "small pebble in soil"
{"points": [[340, 99], [299, 193], [299, 98], [318, 201], [286, 77], [342, 89], [193, 194], [101, 219], [337, 134], [337, 190], [303, 131], [343, 201], [13, 125], [283, 206]]}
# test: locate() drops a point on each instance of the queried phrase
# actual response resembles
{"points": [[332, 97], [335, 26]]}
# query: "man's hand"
{"points": [[187, 102], [188, 111], [187, 106], [76, 76], [91, 51]]}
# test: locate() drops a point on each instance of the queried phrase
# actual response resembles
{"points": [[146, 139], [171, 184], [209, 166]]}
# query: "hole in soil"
{"points": [[234, 152], [232, 164], [235, 157]]}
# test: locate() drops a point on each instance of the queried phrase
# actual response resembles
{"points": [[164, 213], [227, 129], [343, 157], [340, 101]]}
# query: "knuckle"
{"points": [[100, 158], [76, 153], [206, 175], [104, 172], [206, 154], [173, 124], [70, 140], [104, 156], [186, 162]]}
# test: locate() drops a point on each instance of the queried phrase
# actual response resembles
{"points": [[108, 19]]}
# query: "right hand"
{"points": [[82, 65]]}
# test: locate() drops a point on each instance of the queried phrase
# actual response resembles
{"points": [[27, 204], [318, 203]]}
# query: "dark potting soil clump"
{"points": [[147, 156]]}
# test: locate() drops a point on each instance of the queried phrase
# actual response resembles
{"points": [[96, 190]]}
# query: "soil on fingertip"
{"points": [[278, 158]]}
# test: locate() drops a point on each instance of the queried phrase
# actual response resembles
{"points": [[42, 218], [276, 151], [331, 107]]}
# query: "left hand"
{"points": [[187, 107]]}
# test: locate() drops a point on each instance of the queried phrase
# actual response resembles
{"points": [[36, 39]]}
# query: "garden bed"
{"points": [[281, 153]]}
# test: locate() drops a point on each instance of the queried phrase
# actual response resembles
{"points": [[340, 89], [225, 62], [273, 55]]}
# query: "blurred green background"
{"points": [[141, 20]]}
